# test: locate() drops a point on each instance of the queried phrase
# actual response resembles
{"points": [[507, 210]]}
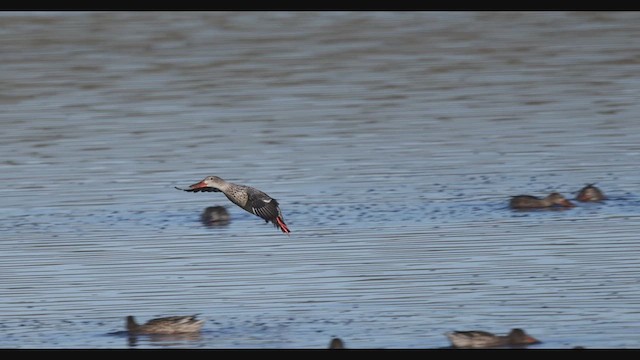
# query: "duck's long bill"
{"points": [[568, 203], [199, 185]]}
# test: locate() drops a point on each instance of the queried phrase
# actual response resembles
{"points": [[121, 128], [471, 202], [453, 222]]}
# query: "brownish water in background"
{"points": [[391, 140]]}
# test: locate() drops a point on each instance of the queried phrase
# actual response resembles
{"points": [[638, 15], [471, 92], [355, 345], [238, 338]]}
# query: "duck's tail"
{"points": [[279, 223]]}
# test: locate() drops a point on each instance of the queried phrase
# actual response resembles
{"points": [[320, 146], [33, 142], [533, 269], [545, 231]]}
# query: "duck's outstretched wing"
{"points": [[268, 209], [265, 207]]}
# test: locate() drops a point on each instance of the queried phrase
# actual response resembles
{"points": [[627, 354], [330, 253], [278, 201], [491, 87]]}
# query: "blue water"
{"points": [[392, 141]]}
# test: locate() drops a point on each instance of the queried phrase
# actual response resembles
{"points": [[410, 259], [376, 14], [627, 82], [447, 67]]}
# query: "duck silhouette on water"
{"points": [[250, 199], [336, 343], [590, 193]]}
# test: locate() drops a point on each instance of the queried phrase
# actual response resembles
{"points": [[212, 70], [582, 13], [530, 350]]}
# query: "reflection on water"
{"points": [[393, 142], [215, 216], [164, 340]]}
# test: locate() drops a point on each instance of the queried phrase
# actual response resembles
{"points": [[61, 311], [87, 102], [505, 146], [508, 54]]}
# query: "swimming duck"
{"points": [[533, 202], [483, 339], [590, 193], [250, 199], [165, 325]]}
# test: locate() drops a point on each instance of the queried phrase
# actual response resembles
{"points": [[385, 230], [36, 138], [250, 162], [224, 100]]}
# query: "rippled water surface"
{"points": [[392, 141]]}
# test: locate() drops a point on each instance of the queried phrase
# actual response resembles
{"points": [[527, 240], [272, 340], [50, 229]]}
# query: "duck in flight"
{"points": [[250, 199]]}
